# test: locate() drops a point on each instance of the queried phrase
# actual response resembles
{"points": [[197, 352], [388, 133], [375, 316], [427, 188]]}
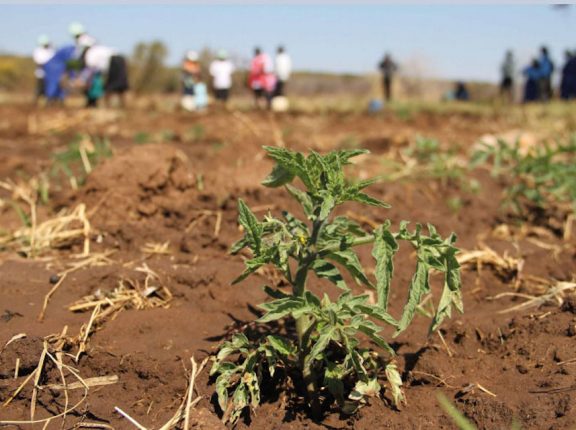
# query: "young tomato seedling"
{"points": [[326, 354]]}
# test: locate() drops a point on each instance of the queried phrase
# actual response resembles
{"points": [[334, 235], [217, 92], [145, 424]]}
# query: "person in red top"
{"points": [[261, 79]]}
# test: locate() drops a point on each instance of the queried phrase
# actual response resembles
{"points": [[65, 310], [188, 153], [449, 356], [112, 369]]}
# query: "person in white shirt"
{"points": [[221, 71], [283, 67], [41, 55]]}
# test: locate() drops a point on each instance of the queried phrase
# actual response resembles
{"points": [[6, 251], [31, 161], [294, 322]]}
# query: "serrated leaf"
{"points": [[253, 229], [328, 204], [252, 265], [319, 346], [281, 345], [349, 260], [326, 270], [279, 308], [418, 287], [451, 293], [278, 177], [304, 200], [372, 334], [383, 251], [368, 200]]}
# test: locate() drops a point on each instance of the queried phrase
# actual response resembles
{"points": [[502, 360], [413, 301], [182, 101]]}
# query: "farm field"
{"points": [[115, 263]]}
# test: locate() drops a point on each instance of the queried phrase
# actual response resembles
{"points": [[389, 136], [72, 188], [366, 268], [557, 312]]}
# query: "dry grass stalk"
{"points": [[206, 214], [554, 292], [156, 248], [99, 259], [12, 339], [52, 352], [130, 294], [65, 227], [96, 381], [504, 265], [187, 404]]}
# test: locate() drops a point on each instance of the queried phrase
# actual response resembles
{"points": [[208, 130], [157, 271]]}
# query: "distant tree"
{"points": [[147, 67]]}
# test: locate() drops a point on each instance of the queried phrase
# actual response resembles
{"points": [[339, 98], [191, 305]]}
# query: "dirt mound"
{"points": [[143, 184]]}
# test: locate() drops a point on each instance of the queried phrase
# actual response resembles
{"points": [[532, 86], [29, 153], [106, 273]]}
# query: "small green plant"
{"points": [[425, 159], [543, 176], [142, 137], [329, 355], [81, 155]]}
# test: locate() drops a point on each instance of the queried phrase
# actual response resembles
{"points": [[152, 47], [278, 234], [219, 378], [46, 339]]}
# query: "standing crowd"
{"points": [[266, 79], [87, 66], [539, 76]]}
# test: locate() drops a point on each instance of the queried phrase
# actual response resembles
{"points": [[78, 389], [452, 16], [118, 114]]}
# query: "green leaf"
{"points": [[350, 261], [222, 384], [251, 266], [333, 379], [383, 251], [328, 204], [371, 333], [251, 226], [451, 293], [304, 199], [318, 348], [293, 162], [278, 177], [278, 309], [326, 270], [418, 287], [367, 200], [281, 345]]}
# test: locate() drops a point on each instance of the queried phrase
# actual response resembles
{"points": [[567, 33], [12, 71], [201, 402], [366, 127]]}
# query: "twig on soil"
{"points": [[450, 354], [156, 248], [129, 418], [52, 353], [554, 293], [51, 233], [183, 411], [203, 215], [12, 339], [504, 265]]}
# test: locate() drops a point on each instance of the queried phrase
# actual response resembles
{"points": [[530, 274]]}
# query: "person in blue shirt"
{"points": [[546, 71], [568, 82], [533, 79]]}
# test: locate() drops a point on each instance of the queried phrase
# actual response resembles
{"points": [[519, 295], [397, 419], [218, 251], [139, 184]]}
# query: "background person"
{"points": [[388, 68], [41, 55], [283, 68], [568, 80], [221, 71], [533, 80], [508, 70], [546, 71], [190, 75], [261, 79]]}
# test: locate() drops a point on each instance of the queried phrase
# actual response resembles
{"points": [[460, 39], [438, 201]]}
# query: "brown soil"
{"points": [[182, 189]]}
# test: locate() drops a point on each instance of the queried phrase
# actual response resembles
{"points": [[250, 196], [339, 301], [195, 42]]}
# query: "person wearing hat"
{"points": [[41, 55], [190, 72], [221, 71]]}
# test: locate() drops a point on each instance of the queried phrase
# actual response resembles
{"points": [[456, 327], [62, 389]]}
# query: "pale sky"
{"points": [[448, 41]]}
